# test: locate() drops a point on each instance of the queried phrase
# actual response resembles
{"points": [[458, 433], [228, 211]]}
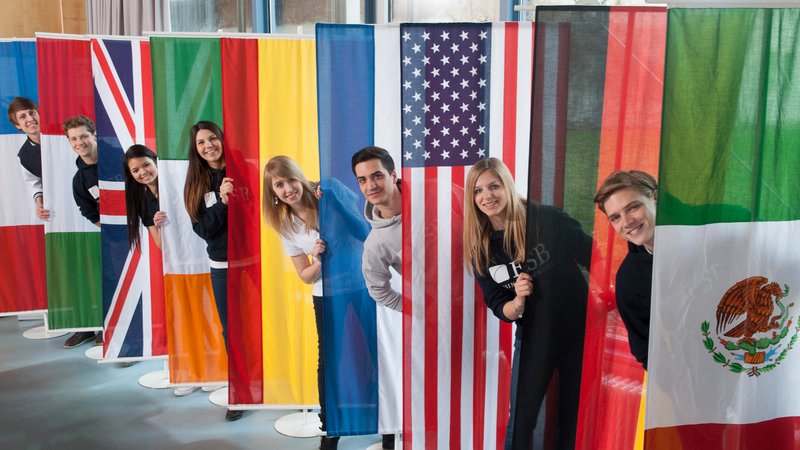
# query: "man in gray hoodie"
{"points": [[374, 170]]}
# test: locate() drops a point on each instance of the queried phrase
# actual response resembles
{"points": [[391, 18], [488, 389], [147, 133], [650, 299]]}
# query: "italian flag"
{"points": [[723, 358], [72, 243]]}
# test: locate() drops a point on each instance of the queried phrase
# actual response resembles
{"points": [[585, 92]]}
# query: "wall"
{"points": [[24, 19]]}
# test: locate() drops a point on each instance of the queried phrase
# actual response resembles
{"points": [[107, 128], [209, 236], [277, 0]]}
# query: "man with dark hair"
{"points": [[374, 170], [23, 113], [376, 176], [80, 131], [628, 198]]}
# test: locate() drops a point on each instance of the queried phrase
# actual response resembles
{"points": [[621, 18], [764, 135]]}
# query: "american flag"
{"points": [[465, 95], [133, 294]]}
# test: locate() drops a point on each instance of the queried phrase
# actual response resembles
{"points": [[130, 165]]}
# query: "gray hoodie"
{"points": [[382, 249]]}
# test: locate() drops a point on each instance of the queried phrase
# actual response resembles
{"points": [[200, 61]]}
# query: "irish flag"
{"points": [[186, 77], [72, 243], [21, 232], [725, 312]]}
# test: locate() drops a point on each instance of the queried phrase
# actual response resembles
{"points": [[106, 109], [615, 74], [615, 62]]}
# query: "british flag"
{"points": [[133, 293]]}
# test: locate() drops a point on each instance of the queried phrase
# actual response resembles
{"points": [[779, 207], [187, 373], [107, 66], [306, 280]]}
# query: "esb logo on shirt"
{"points": [[505, 274]]}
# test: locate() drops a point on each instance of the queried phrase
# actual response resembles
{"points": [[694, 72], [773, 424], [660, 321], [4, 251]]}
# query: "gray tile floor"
{"points": [[55, 398]]}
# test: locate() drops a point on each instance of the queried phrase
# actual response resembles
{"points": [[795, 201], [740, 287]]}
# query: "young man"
{"points": [[80, 131], [374, 170], [628, 198], [24, 114]]}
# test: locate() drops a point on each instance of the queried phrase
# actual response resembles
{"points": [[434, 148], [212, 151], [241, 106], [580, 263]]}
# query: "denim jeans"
{"points": [[219, 284]]}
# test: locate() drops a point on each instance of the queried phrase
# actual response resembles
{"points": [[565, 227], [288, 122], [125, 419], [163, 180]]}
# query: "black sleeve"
{"points": [[86, 203], [633, 303], [494, 296], [213, 221]]}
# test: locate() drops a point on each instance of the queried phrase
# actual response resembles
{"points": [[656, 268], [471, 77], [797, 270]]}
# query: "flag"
{"points": [[186, 89], [461, 92], [357, 81], [596, 108], [72, 243], [723, 360], [133, 282], [269, 109], [23, 283]]}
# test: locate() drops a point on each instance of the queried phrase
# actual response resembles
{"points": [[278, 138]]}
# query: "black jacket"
{"points": [[30, 157], [213, 223], [634, 282], [86, 190]]}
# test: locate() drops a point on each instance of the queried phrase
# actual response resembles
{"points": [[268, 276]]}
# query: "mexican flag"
{"points": [[72, 243], [725, 313]]}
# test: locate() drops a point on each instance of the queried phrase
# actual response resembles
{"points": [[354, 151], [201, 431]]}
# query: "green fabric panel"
{"points": [[74, 280], [186, 88], [731, 127]]}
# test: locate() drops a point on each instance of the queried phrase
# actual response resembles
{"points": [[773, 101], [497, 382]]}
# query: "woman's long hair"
{"points": [[198, 181], [477, 226], [135, 192], [277, 213]]}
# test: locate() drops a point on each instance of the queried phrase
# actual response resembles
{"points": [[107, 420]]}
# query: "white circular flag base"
{"points": [[219, 397], [42, 333], [301, 424], [95, 352], [155, 380], [376, 446]]}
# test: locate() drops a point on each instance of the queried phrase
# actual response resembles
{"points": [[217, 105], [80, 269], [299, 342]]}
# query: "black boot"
{"points": [[329, 443], [387, 441]]}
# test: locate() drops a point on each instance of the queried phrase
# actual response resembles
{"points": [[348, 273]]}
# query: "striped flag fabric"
{"points": [[474, 85], [723, 358], [456, 357], [273, 338], [186, 89], [133, 281], [597, 108], [23, 286], [72, 243]]}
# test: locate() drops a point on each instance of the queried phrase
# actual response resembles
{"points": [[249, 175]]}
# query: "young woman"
{"points": [[291, 207], [205, 196], [141, 194], [548, 285]]}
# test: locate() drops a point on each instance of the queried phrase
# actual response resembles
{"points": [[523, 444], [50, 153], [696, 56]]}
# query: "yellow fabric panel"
{"points": [[288, 126], [196, 349], [638, 443]]}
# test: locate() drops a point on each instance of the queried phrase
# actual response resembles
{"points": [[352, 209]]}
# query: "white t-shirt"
{"points": [[302, 243]]}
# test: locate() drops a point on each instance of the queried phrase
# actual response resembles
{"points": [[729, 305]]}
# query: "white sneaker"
{"points": [[184, 390], [212, 388]]}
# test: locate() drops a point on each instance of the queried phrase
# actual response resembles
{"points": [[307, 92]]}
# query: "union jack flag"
{"points": [[133, 293]]}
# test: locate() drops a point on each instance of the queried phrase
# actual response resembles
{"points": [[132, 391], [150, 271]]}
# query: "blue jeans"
{"points": [[318, 316], [219, 285], [513, 392]]}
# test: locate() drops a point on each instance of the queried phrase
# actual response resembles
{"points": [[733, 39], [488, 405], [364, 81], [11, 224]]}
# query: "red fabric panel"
{"points": [[64, 65], [240, 126], [407, 312], [431, 309], [630, 139], [23, 286], [457, 304], [776, 434], [158, 307]]}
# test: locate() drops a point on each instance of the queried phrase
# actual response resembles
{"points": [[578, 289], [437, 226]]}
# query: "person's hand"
{"points": [[225, 189], [319, 248], [318, 192], [41, 213], [524, 285], [160, 219]]}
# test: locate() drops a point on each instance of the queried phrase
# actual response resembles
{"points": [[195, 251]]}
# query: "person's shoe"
{"points": [[329, 443], [126, 363], [387, 441], [98, 340], [212, 388], [233, 415], [184, 390], [78, 338]]}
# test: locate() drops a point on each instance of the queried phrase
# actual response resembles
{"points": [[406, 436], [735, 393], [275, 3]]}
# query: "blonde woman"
{"points": [[291, 207], [544, 295]]}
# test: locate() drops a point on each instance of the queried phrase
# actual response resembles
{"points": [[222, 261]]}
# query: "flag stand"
{"points": [[43, 332], [95, 352], [300, 424], [156, 380], [219, 397]]}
